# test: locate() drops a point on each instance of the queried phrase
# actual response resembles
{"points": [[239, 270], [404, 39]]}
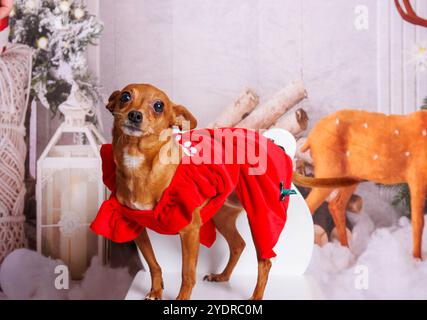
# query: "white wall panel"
{"points": [[339, 65], [214, 53], [401, 86], [421, 37], [204, 53]]}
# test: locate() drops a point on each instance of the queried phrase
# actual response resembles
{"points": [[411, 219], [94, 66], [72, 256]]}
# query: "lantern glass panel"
{"points": [[70, 191], [76, 252], [70, 201]]}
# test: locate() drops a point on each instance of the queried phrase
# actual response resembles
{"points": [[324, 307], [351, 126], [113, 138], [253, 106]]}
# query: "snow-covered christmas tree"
{"points": [[59, 31]]}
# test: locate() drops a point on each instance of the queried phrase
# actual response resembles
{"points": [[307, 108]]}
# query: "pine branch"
{"points": [[59, 60]]}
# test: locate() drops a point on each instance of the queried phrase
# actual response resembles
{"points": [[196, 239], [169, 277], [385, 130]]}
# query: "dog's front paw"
{"points": [[154, 295], [183, 297], [213, 277]]}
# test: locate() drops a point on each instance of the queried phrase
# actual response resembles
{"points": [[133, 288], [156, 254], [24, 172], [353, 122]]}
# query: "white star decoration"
{"points": [[187, 146], [69, 223], [419, 55]]}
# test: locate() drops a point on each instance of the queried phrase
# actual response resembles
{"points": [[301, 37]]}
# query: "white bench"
{"points": [[287, 279]]}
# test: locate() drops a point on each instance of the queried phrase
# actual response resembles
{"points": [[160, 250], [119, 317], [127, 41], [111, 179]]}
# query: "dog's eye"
{"points": [[158, 106], [125, 97]]}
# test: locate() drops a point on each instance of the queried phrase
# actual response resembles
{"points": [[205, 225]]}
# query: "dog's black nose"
{"points": [[135, 116]]}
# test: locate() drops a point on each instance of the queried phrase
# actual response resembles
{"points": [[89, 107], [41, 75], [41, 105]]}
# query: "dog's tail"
{"points": [[304, 181]]}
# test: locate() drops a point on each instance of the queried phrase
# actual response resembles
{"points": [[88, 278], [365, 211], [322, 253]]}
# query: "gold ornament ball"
{"points": [[79, 13], [64, 6], [42, 43]]}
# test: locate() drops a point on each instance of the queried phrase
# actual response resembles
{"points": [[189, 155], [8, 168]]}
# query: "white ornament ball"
{"points": [[79, 13], [64, 6], [42, 43]]}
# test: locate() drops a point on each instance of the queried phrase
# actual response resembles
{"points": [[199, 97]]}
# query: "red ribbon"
{"points": [[4, 23]]}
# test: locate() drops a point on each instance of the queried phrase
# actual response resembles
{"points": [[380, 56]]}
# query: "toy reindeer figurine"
{"points": [[370, 146], [367, 146]]}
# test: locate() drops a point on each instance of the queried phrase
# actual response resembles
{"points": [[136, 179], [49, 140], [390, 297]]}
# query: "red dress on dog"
{"points": [[215, 163]]}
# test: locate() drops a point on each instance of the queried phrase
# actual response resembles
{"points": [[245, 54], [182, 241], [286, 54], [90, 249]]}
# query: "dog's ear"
{"points": [[183, 118], [112, 101]]}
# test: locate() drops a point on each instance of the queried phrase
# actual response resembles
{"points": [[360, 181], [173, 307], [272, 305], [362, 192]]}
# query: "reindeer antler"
{"points": [[410, 15]]}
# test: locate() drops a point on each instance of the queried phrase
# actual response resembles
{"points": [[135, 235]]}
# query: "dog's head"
{"points": [[142, 110]]}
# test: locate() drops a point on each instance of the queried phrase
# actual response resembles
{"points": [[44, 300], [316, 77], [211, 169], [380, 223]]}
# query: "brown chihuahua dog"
{"points": [[142, 113]]}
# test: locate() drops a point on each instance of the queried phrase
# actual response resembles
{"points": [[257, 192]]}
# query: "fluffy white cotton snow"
{"points": [[381, 248], [102, 282], [25, 274]]}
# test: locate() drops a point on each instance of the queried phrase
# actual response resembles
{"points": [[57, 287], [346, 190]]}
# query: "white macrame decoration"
{"points": [[15, 78]]}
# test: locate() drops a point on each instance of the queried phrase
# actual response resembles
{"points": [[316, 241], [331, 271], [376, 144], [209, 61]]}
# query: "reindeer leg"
{"points": [[316, 197], [337, 207], [418, 191]]}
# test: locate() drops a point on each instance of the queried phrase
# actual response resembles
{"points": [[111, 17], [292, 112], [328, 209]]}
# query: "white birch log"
{"points": [[355, 204], [294, 122], [265, 115], [234, 113], [320, 236]]}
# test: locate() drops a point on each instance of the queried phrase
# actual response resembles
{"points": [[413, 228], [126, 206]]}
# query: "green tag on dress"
{"points": [[285, 192]]}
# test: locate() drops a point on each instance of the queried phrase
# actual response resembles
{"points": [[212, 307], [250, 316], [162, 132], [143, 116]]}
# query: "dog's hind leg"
{"points": [[144, 244], [418, 191], [225, 222], [337, 207], [264, 266]]}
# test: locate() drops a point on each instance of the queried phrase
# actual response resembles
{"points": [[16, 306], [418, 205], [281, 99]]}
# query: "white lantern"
{"points": [[70, 189]]}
